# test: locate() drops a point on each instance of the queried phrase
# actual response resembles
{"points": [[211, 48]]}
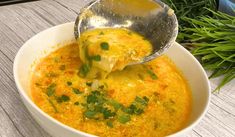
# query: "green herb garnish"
{"points": [[143, 101], [104, 46], [51, 89], [124, 118], [133, 109], [89, 84], [53, 106], [69, 83], [65, 98], [109, 124], [90, 114], [84, 69], [115, 104], [101, 87], [92, 98], [99, 107], [76, 91], [146, 99], [139, 111], [76, 103], [152, 74], [96, 105], [95, 58], [107, 113], [129, 110], [136, 107]]}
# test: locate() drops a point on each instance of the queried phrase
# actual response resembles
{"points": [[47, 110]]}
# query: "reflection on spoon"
{"points": [[152, 19]]}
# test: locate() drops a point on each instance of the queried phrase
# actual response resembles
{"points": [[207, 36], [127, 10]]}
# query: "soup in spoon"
{"points": [[109, 49]]}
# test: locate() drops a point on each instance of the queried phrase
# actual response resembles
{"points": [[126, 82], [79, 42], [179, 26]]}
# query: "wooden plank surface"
{"points": [[21, 21]]}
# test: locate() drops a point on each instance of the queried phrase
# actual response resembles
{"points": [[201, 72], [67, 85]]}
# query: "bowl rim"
{"points": [[29, 101], [189, 127]]}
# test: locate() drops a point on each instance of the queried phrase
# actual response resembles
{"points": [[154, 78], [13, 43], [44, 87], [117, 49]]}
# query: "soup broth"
{"points": [[146, 100]]}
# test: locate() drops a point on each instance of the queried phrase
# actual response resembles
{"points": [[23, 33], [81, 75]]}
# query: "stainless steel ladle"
{"points": [[151, 18]]}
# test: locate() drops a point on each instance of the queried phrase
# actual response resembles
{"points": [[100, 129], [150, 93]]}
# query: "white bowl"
{"points": [[43, 43]]}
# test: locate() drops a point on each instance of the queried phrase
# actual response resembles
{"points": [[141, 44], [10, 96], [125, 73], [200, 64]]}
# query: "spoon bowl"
{"points": [[154, 20]]}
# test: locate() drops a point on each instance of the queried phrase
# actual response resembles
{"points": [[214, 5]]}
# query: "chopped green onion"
{"points": [[76, 103], [51, 89], [107, 113], [89, 114], [95, 58], [115, 104], [137, 107], [101, 87], [142, 101], [129, 110], [109, 124], [152, 74], [139, 111], [84, 69], [124, 118], [132, 109], [92, 99], [89, 84], [104, 46], [69, 83], [98, 103], [76, 91], [146, 99], [65, 98], [53, 106]]}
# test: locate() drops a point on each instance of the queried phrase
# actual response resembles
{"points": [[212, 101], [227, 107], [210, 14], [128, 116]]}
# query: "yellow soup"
{"points": [[109, 49], [146, 100]]}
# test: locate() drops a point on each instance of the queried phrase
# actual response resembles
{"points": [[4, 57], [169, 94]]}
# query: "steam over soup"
{"points": [[146, 100]]}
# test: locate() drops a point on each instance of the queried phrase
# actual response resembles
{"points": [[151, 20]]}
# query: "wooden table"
{"points": [[20, 22]]}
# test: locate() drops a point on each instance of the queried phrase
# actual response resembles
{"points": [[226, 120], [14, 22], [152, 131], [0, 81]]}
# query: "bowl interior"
{"points": [[45, 42]]}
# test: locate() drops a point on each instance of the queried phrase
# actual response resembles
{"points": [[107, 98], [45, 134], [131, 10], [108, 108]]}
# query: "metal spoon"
{"points": [[151, 18]]}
